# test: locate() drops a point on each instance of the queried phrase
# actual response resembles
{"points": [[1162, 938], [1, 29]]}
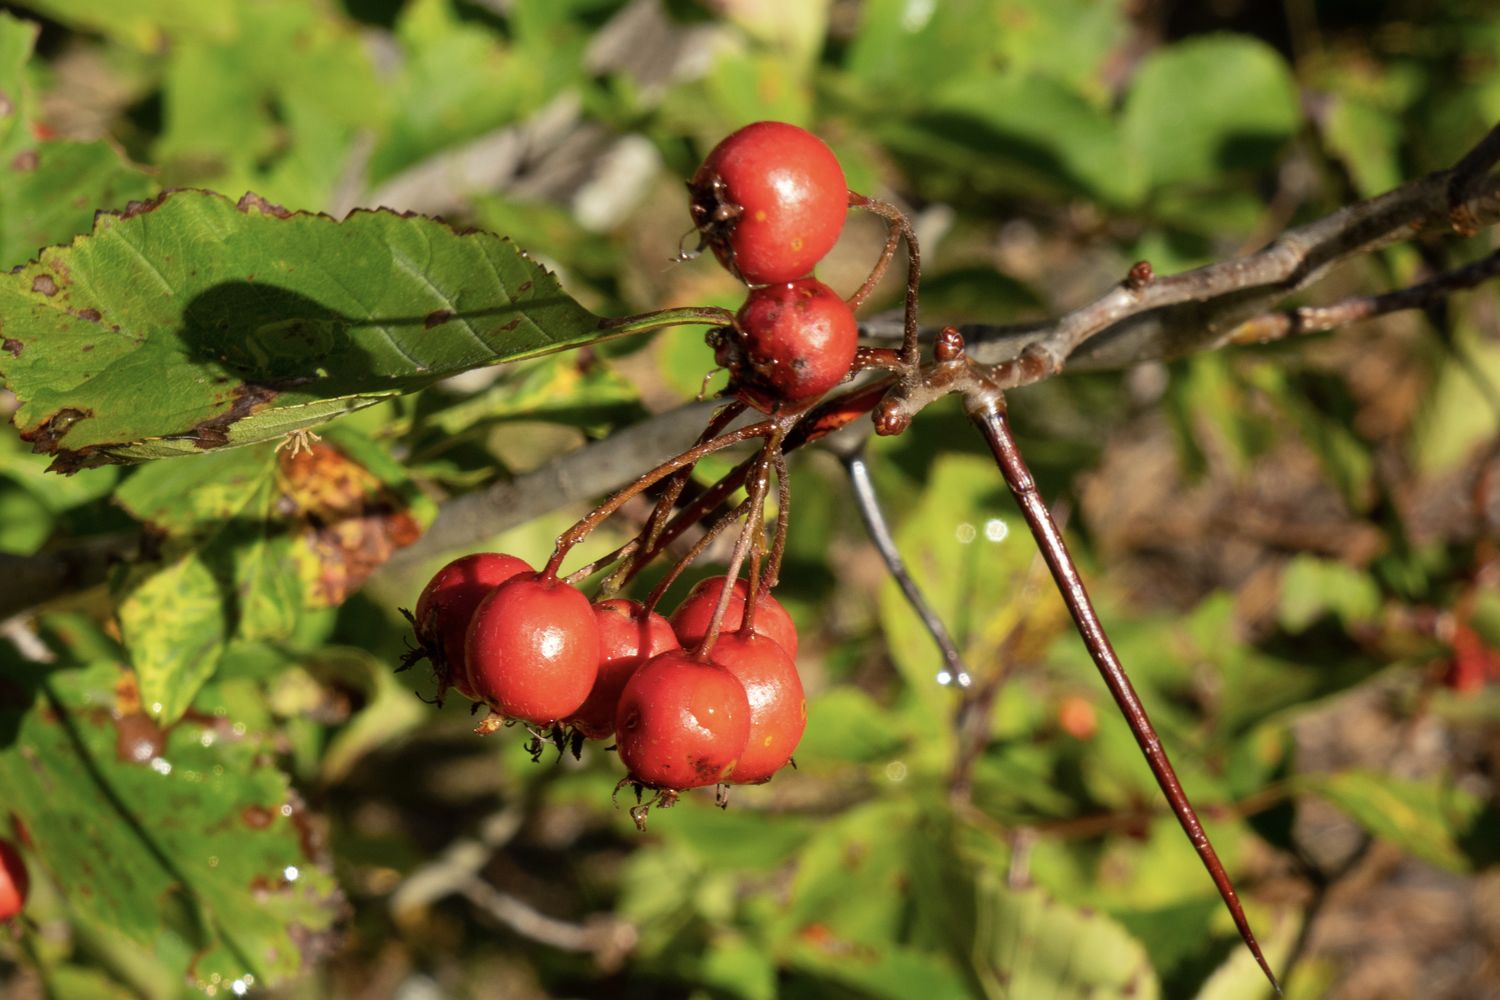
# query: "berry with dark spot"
{"points": [[682, 722]]}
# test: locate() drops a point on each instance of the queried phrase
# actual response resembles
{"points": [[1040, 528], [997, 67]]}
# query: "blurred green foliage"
{"points": [[218, 780]]}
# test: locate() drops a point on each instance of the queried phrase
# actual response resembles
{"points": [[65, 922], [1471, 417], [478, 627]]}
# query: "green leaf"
{"points": [[1240, 976], [173, 621], [192, 322], [1312, 587], [899, 42], [17, 39], [48, 190], [1030, 945], [1457, 416], [48, 194], [388, 708], [1368, 140], [144, 24], [970, 553], [739, 968], [845, 724], [273, 106], [1425, 818], [229, 573], [432, 106], [1207, 106], [1008, 133], [1067, 40], [186, 841]]}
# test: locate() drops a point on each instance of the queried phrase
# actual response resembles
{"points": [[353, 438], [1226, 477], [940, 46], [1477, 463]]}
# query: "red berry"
{"points": [[447, 604], [13, 881], [533, 649], [770, 200], [690, 620], [682, 722], [1077, 718], [629, 635], [795, 342], [778, 707]]}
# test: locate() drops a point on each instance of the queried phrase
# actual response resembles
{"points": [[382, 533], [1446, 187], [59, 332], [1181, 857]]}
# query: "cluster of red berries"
{"points": [[536, 651], [711, 695], [13, 881], [770, 201]]}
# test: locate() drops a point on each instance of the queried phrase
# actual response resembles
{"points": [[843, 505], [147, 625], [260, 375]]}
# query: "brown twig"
{"points": [[1316, 319]]}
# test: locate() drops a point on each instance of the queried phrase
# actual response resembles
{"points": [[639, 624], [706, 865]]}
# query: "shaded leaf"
{"points": [[1015, 133], [136, 343], [845, 724], [1207, 106]]}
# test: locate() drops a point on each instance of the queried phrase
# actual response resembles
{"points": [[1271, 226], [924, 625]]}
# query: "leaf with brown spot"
{"points": [[135, 843], [351, 519], [278, 322]]}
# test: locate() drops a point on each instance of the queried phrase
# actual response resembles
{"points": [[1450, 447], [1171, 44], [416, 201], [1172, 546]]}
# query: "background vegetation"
{"points": [[221, 784]]}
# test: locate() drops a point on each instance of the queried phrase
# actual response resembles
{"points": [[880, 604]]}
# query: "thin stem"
{"points": [[988, 415], [892, 241], [865, 499], [811, 426], [699, 547], [759, 484], [720, 420], [910, 354], [642, 547], [783, 520], [597, 516]]}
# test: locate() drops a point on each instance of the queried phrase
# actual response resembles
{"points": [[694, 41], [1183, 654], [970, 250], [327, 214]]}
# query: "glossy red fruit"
{"points": [[14, 882], [629, 635], [533, 649], [778, 706], [682, 722], [690, 620], [795, 341], [770, 200], [447, 604]]}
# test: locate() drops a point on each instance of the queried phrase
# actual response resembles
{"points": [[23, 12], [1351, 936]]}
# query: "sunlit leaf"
{"points": [[1034, 946], [1209, 106], [1425, 818], [136, 343]]}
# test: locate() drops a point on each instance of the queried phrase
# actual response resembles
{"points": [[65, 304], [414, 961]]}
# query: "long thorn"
{"points": [[989, 415], [858, 469]]}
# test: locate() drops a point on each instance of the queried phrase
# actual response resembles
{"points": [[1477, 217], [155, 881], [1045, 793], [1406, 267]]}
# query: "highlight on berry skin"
{"points": [[770, 201]]}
